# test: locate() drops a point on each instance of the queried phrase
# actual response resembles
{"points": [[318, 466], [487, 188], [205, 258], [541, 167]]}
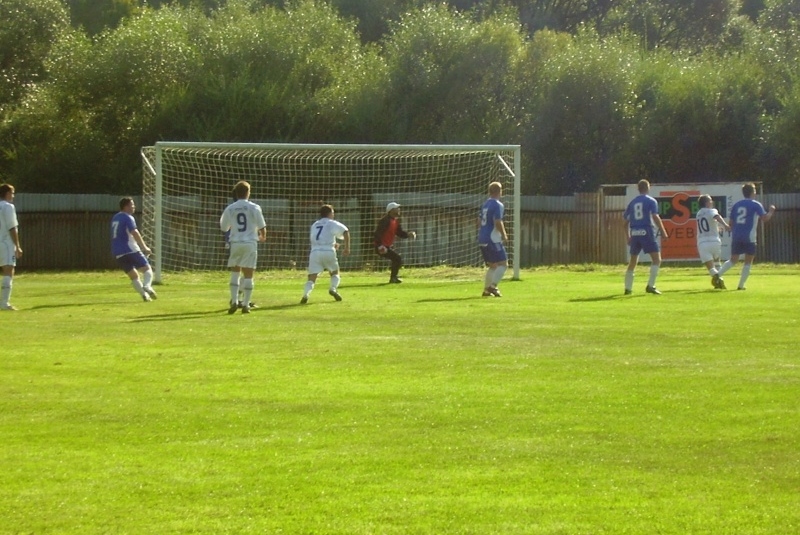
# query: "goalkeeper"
{"points": [[388, 228]]}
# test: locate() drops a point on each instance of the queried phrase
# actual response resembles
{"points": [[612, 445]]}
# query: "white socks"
{"points": [[629, 280], [308, 288], [744, 275], [247, 286], [137, 285], [5, 292], [653, 274], [499, 271], [234, 286], [335, 280]]}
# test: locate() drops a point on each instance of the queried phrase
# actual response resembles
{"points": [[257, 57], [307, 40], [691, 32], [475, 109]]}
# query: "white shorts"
{"points": [[243, 254], [319, 261], [710, 250], [8, 256]]}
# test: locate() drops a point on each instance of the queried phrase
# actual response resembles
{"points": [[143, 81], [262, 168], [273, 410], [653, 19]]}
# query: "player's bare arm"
{"points": [[138, 237], [501, 228], [346, 239], [262, 234], [721, 220], [769, 214], [14, 233], [660, 224]]}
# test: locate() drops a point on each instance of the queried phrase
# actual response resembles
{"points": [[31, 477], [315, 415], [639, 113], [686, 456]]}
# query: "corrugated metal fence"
{"points": [[62, 232]]}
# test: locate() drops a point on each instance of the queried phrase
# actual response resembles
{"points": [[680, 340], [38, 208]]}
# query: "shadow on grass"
{"points": [[453, 299], [635, 295]]}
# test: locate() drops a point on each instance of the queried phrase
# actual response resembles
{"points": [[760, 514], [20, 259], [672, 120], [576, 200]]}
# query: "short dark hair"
{"points": [[4, 189], [125, 201], [325, 210], [703, 200], [748, 190]]}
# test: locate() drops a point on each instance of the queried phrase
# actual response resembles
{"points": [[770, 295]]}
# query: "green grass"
{"points": [[562, 408]]}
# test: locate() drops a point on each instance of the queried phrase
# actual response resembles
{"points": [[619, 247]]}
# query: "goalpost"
{"points": [[441, 188]]}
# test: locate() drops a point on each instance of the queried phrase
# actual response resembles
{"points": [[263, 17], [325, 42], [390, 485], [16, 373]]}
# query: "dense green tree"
{"points": [[28, 29], [95, 16], [448, 77]]}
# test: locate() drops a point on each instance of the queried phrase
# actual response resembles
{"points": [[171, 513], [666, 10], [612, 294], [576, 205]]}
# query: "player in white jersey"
{"points": [[709, 244], [244, 222], [10, 248], [324, 233]]}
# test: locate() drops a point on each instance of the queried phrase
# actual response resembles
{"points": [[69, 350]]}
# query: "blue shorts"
{"points": [[493, 253], [739, 247], [645, 243], [132, 261]]}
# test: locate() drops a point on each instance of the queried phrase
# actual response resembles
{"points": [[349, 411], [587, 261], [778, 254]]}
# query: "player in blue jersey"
{"points": [[745, 215], [491, 235], [10, 248], [640, 216], [128, 247], [245, 222]]}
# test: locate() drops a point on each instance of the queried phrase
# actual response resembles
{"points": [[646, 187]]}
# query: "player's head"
{"points": [[748, 190], [241, 190], [643, 185], [393, 209], [6, 191], [495, 189], [326, 210], [705, 201], [126, 205]]}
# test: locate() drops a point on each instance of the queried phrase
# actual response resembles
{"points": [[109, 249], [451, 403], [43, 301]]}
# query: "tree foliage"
{"points": [[596, 92]]}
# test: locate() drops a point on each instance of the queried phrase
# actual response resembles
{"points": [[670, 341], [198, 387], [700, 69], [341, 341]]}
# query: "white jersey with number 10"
{"points": [[707, 226]]}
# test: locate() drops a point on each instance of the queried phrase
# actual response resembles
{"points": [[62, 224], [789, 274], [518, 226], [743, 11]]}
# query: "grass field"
{"points": [[562, 408]]}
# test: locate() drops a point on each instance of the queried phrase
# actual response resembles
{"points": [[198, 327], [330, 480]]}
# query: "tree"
{"points": [[27, 30]]}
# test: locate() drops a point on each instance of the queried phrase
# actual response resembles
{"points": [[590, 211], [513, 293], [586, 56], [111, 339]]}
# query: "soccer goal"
{"points": [[441, 188]]}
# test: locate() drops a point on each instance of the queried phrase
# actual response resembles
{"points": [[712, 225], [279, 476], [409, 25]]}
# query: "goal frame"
{"points": [[160, 146]]}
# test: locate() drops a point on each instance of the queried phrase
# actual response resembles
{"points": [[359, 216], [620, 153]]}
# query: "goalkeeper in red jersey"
{"points": [[388, 228]]}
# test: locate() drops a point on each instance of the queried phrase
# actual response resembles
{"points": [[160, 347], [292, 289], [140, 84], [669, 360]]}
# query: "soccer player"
{"points": [[10, 248], [709, 244], [324, 233], [745, 215], [640, 216], [128, 247], [388, 228], [247, 227], [491, 235]]}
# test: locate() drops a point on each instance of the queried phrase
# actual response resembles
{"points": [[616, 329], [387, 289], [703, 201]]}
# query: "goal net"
{"points": [[441, 188]]}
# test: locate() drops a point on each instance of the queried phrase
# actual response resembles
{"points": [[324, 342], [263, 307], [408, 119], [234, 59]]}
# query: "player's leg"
{"points": [[309, 287], [397, 263], [655, 266], [133, 275], [748, 264], [147, 280], [5, 288], [247, 285], [635, 249]]}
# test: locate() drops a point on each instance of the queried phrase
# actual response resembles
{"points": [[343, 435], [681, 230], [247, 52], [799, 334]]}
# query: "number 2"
{"points": [[741, 215]]}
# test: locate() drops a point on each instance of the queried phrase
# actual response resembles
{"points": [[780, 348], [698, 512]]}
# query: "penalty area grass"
{"points": [[563, 407]]}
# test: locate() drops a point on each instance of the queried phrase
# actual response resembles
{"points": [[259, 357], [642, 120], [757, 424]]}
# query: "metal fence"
{"points": [[71, 232]]}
